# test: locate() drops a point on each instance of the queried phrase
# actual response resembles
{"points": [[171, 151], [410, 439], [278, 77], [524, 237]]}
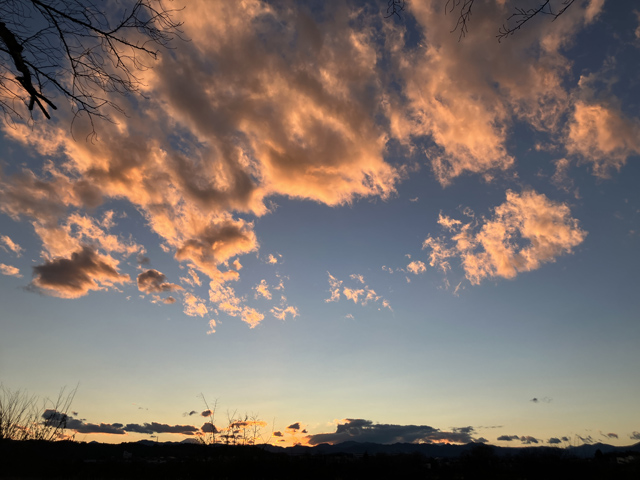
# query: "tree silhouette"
{"points": [[81, 50]]}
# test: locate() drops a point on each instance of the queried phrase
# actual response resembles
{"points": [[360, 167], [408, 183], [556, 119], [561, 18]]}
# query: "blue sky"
{"points": [[342, 218]]}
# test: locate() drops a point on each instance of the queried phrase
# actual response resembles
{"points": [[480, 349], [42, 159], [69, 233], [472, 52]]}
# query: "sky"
{"points": [[349, 226]]}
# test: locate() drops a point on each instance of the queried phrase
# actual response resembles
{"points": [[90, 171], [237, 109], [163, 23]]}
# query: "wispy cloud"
{"points": [[10, 245], [281, 312], [360, 294], [262, 289], [10, 270], [541, 400]]}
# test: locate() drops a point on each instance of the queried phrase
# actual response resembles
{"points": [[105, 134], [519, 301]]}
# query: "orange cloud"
{"points": [[463, 95], [194, 306], [10, 270], [416, 267], [11, 245], [525, 231], [281, 313], [603, 136], [262, 289], [240, 114]]}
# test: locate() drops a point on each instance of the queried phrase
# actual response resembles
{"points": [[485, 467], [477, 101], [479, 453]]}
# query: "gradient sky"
{"points": [[363, 225]]}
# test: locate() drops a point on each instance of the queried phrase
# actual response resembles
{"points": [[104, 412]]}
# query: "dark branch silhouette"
{"points": [[465, 15], [515, 21], [522, 16], [394, 8], [78, 50]]}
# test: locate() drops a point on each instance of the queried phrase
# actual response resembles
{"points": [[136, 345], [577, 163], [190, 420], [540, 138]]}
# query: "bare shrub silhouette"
{"points": [[240, 430], [29, 417]]}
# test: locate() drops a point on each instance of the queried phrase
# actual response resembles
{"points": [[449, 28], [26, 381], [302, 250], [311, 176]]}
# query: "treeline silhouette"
{"points": [[71, 460]]}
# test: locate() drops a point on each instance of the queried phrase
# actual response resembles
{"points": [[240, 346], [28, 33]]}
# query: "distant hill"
{"points": [[439, 450]]}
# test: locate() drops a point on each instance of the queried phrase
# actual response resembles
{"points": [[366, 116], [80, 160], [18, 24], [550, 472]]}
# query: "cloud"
{"points": [[277, 434], [193, 279], [603, 136], [10, 245], [154, 427], [463, 95], [116, 428], [226, 300], [360, 430], [209, 428], [525, 231], [525, 439], [194, 306], [528, 440], [256, 119], [352, 294], [635, 436], [359, 294], [294, 426], [299, 110], [554, 441], [543, 400], [74, 277], [214, 243], [56, 418], [212, 326], [262, 289], [281, 313], [561, 177], [152, 281], [334, 288], [10, 270], [271, 259], [417, 267], [251, 317], [610, 435]]}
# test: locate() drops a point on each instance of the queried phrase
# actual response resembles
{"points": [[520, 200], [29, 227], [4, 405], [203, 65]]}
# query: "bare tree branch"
{"points": [[78, 50], [465, 15], [513, 23], [522, 16], [394, 8]]}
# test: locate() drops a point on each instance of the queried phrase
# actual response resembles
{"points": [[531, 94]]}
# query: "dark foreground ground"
{"points": [[35, 460]]}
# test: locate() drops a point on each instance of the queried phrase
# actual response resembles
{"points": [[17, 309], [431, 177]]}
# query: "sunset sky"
{"points": [[362, 228]]}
